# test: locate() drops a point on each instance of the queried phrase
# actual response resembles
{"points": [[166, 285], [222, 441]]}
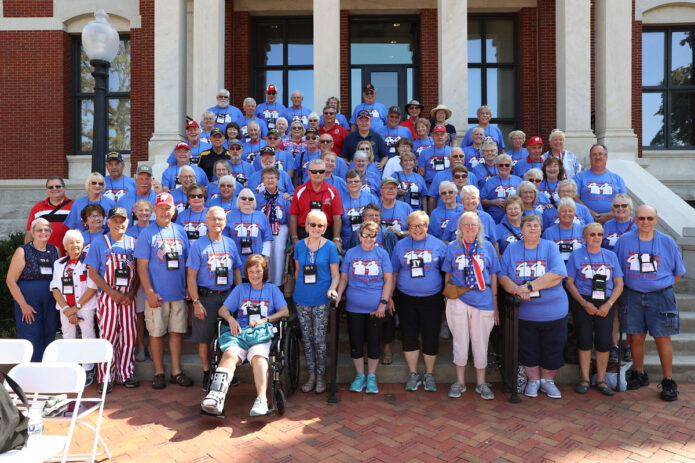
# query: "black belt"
{"points": [[650, 292], [203, 291]]}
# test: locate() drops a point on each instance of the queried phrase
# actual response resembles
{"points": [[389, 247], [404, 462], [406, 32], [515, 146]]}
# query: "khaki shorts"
{"points": [[169, 317]]}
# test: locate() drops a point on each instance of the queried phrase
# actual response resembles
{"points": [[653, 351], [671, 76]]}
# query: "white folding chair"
{"points": [[37, 380], [13, 351], [84, 351]]}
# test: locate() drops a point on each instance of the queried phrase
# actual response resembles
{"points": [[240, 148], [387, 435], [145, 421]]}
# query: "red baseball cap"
{"points": [[164, 198], [271, 88], [193, 124], [182, 145], [534, 141], [439, 128]]}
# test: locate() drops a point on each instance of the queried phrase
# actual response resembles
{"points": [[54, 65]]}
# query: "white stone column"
{"points": [[613, 31], [326, 51], [452, 24], [169, 80], [573, 58], [208, 54]]}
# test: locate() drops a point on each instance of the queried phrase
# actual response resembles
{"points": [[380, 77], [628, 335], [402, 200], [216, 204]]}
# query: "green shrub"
{"points": [[7, 249]]}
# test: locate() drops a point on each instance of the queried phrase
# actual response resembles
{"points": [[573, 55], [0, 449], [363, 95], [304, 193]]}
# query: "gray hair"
{"points": [[566, 202], [478, 128], [447, 185], [360, 154], [248, 99], [483, 108], [40, 221], [93, 175], [480, 237], [279, 119], [624, 197], [568, 182], [470, 190], [533, 173], [490, 144], [514, 133], [207, 114], [503, 157], [228, 179], [186, 169], [258, 126], [223, 91], [317, 161], [72, 234], [215, 209], [456, 149], [556, 133], [248, 192]]}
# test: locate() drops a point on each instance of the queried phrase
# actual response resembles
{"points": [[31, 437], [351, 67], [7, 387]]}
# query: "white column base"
{"points": [[79, 167], [579, 142], [621, 143]]}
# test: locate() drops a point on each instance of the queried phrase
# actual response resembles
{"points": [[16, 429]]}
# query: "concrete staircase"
{"points": [[683, 362]]}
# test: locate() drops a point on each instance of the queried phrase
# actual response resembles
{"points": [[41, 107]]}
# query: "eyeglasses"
{"points": [[54, 187], [226, 185], [313, 120], [246, 198], [320, 171], [222, 97], [97, 183], [43, 230], [196, 196], [595, 234], [457, 156], [326, 142], [469, 225], [316, 225], [297, 128], [312, 138], [504, 165], [272, 138], [354, 182], [368, 235], [447, 193], [642, 219], [535, 180], [620, 206], [235, 148], [96, 216], [418, 226], [271, 93], [460, 176], [328, 113]]}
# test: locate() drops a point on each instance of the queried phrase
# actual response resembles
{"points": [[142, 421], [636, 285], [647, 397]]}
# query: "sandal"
{"points": [[181, 379], [603, 388], [159, 382], [387, 358], [582, 386], [320, 385], [141, 355], [309, 385]]}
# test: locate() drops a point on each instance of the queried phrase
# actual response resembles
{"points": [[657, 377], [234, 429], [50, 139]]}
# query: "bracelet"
{"points": [[196, 300], [295, 237], [584, 304], [336, 238], [610, 303]]}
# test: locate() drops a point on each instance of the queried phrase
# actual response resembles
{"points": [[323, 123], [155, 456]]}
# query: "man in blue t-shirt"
{"points": [[161, 251], [297, 112], [652, 263], [224, 112], [271, 110], [392, 131], [597, 186], [436, 158], [249, 114], [377, 111], [143, 190], [193, 140], [117, 185]]}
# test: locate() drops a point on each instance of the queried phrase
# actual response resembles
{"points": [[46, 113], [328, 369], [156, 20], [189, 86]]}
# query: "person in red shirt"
{"points": [[331, 127], [414, 108], [55, 208], [316, 194]]}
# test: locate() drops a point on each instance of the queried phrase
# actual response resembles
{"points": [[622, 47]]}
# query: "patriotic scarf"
{"points": [[474, 274], [270, 211]]}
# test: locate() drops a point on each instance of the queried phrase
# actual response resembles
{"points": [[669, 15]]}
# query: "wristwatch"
{"points": [[78, 306], [383, 301], [528, 285]]}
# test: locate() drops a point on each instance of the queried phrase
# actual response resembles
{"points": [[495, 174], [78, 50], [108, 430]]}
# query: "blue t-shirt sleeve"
{"points": [[556, 264], [232, 301], [388, 268], [142, 245], [617, 270], [494, 265], [572, 263], [93, 256]]}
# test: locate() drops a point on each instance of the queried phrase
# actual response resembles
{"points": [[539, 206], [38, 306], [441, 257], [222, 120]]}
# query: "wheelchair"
{"points": [[283, 364]]}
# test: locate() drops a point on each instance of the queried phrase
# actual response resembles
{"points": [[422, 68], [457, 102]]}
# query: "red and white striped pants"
{"points": [[117, 325]]}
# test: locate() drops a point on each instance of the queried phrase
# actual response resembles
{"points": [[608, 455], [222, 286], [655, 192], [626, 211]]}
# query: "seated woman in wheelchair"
{"points": [[250, 307]]}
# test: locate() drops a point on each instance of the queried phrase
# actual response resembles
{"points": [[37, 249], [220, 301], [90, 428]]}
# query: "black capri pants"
{"points": [[592, 327], [542, 343], [420, 316], [363, 327]]}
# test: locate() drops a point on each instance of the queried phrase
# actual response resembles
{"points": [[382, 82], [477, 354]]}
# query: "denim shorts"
{"points": [[656, 311]]}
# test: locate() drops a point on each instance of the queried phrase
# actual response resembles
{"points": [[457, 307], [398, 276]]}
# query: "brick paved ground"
{"points": [[143, 425]]}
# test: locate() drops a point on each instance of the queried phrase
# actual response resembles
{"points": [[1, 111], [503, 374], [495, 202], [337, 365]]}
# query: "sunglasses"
{"points": [[368, 235], [460, 176], [457, 156], [642, 219], [447, 193], [595, 234], [235, 148], [222, 97], [43, 230], [297, 128], [620, 206], [271, 93], [196, 196], [316, 225], [54, 187], [326, 142], [327, 113], [272, 138], [312, 138], [321, 171], [97, 183], [535, 180], [504, 165], [246, 198]]}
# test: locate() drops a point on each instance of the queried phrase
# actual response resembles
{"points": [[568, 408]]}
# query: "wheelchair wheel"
{"points": [[279, 399], [291, 354]]}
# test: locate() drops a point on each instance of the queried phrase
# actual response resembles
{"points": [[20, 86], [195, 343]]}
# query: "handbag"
{"points": [[13, 424], [454, 291], [258, 334], [290, 277]]}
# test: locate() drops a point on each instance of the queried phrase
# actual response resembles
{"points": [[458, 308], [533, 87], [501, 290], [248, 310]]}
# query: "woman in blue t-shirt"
{"points": [[316, 262], [366, 273], [533, 270], [595, 282], [509, 229], [567, 235], [471, 262], [249, 305]]}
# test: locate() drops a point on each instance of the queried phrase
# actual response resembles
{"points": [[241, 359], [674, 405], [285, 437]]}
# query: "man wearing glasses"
{"points": [[224, 112], [197, 146], [271, 109], [652, 264], [301, 162], [217, 152], [316, 195], [332, 128], [597, 186], [55, 208], [456, 158], [249, 116]]}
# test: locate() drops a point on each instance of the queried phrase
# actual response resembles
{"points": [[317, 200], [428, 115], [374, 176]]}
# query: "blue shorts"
{"points": [[656, 311], [542, 343]]}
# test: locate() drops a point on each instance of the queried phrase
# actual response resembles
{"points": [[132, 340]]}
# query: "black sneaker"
{"points": [[614, 354], [206, 380], [131, 382], [637, 379], [627, 356], [109, 388], [669, 390]]}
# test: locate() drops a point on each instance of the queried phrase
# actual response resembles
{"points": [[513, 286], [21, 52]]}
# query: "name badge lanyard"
{"points": [[246, 242], [171, 257], [257, 308], [221, 272], [67, 280], [646, 261], [490, 174], [598, 282], [417, 265], [566, 245], [309, 270], [537, 293]]}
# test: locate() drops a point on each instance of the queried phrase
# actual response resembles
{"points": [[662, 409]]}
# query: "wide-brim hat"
{"points": [[441, 107]]}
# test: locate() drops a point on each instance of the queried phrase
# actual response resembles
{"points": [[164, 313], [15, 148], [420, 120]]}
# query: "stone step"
{"points": [[683, 344], [687, 322], [686, 302], [683, 368]]}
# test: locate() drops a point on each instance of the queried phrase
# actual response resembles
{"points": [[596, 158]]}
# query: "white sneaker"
{"points": [[260, 407], [548, 386], [532, 386]]}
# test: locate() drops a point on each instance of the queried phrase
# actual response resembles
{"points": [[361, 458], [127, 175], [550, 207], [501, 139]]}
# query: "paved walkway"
{"points": [[142, 425]]}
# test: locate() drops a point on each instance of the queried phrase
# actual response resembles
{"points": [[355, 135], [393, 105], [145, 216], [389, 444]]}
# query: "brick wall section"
{"points": [[27, 8], [142, 85], [637, 79], [344, 65], [68, 106], [237, 72], [23, 65], [547, 106], [429, 61], [528, 71]]}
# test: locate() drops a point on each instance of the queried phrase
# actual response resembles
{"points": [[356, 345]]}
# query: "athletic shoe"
{"points": [[614, 354], [485, 391], [371, 385], [358, 383], [669, 390], [627, 356], [430, 385], [413, 382], [260, 407], [532, 386], [637, 379], [131, 382], [89, 379], [444, 332], [456, 390], [548, 386]]}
